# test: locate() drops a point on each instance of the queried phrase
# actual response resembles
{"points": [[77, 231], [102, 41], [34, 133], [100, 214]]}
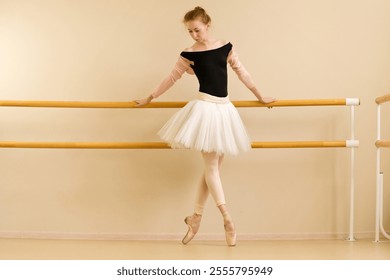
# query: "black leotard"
{"points": [[210, 68]]}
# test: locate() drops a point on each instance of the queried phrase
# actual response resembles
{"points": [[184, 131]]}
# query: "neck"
{"points": [[208, 43]]}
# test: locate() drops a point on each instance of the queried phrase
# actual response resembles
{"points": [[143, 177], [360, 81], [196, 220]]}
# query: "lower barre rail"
{"points": [[162, 145]]}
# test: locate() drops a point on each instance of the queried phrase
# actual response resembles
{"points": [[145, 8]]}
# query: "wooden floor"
{"points": [[28, 249]]}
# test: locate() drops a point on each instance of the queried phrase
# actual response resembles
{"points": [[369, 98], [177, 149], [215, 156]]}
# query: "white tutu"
{"points": [[207, 124]]}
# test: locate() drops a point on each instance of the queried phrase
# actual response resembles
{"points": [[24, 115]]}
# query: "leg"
{"points": [[212, 167], [201, 197], [193, 222], [203, 191], [212, 162]]}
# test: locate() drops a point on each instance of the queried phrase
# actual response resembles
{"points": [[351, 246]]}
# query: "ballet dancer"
{"points": [[209, 124]]}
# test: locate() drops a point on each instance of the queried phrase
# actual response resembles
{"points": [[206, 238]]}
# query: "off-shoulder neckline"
{"points": [[228, 43]]}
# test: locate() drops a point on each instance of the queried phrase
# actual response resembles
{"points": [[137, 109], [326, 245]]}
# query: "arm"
{"points": [[245, 77], [182, 65]]}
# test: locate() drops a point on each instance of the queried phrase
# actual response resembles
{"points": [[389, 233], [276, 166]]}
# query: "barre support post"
{"points": [[378, 169], [352, 178]]}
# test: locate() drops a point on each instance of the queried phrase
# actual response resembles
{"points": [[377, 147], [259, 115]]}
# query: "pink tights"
{"points": [[210, 183]]}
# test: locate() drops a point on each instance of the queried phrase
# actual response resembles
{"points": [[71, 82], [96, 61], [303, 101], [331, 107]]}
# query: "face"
{"points": [[197, 30]]}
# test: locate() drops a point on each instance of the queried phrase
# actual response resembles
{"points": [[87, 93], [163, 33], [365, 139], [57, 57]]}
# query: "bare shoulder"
{"points": [[223, 42], [219, 43]]}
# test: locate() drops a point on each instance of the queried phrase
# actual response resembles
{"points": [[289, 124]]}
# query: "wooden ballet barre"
{"points": [[173, 104], [352, 102], [85, 145], [382, 99], [306, 144], [382, 144], [162, 145]]}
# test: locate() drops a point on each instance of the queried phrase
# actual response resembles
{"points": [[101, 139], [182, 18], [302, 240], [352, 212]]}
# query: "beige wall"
{"points": [[120, 50]]}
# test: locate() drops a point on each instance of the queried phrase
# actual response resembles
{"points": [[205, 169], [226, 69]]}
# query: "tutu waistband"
{"points": [[214, 99]]}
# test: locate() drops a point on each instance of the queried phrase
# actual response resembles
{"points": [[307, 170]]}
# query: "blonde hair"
{"points": [[197, 13]]}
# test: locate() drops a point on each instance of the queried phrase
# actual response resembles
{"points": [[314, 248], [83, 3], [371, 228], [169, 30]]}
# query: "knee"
{"points": [[212, 163], [212, 169]]}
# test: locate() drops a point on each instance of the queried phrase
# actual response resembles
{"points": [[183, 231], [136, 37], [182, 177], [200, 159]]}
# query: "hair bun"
{"points": [[197, 13]]}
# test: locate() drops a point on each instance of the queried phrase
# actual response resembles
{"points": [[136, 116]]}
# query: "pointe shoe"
{"points": [[231, 238], [193, 223], [230, 233]]}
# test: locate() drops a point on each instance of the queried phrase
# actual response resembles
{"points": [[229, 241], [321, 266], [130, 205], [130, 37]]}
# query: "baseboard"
{"points": [[172, 236]]}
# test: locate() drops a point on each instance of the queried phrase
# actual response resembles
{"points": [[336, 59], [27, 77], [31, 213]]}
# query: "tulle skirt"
{"points": [[207, 124]]}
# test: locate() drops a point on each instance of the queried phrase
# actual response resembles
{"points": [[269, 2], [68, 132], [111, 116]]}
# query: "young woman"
{"points": [[209, 124]]}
